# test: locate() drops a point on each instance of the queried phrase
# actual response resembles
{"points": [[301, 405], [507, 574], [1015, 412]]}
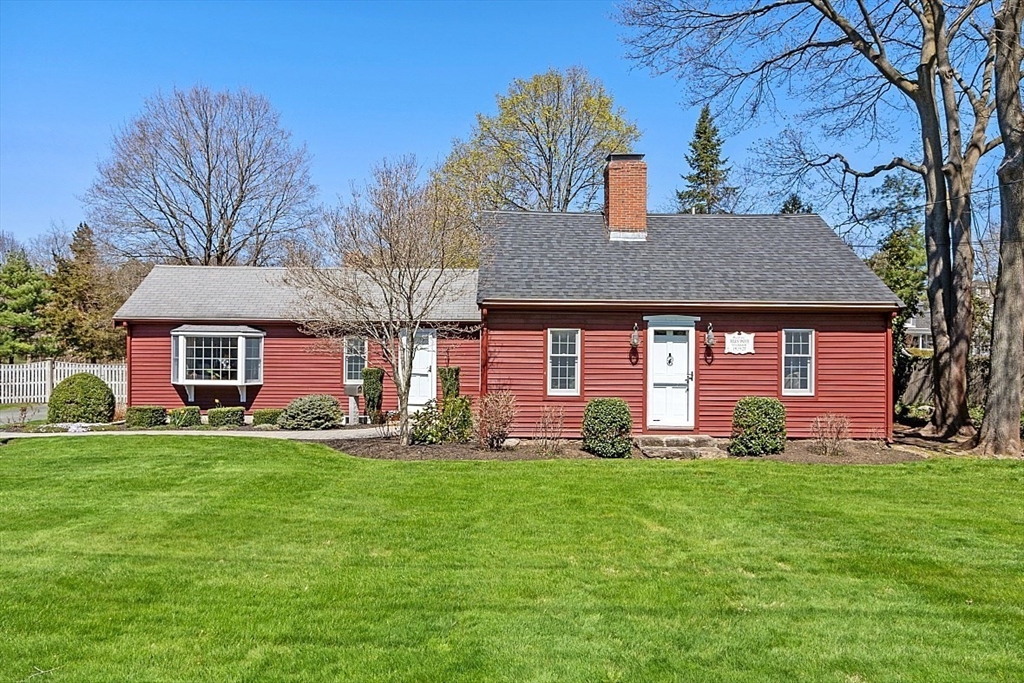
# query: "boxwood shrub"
{"points": [[316, 411], [758, 426], [373, 392], [449, 381], [187, 416], [226, 417], [607, 424], [140, 417], [266, 416], [81, 398]]}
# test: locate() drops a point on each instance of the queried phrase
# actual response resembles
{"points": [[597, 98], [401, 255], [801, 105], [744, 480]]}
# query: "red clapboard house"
{"points": [[680, 315], [197, 335]]}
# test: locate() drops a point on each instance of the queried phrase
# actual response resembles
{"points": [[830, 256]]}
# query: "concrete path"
{"points": [[323, 435]]}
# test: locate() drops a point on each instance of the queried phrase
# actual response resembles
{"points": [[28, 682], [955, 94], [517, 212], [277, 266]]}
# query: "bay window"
{"points": [[216, 355]]}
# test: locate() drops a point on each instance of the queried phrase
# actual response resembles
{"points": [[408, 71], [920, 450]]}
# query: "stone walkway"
{"points": [[323, 435]]}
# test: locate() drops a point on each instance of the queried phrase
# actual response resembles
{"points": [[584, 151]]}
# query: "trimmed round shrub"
{"points": [[316, 411], [607, 425], [226, 417], [140, 417], [758, 426], [186, 416], [266, 416], [81, 398]]}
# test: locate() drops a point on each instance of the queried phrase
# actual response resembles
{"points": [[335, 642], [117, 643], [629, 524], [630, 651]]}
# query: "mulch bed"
{"points": [[854, 452], [389, 449]]}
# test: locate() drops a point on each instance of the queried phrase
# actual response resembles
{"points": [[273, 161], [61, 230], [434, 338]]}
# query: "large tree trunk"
{"points": [[949, 382], [1000, 430]]}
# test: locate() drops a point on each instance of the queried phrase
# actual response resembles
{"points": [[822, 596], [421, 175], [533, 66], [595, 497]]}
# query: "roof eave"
{"points": [[637, 303]]}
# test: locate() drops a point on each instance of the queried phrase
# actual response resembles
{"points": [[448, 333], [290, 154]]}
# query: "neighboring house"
{"points": [[680, 315], [918, 333]]}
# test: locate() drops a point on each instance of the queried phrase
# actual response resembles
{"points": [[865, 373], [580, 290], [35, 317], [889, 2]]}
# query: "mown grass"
{"points": [[176, 558]]}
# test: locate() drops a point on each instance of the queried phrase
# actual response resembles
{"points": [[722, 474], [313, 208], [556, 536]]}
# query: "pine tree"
{"points": [[84, 300], [707, 189], [794, 204], [23, 293]]}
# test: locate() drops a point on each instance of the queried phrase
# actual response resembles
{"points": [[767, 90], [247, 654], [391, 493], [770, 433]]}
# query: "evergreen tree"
{"points": [[84, 301], [23, 293], [794, 204], [707, 189], [900, 260]]}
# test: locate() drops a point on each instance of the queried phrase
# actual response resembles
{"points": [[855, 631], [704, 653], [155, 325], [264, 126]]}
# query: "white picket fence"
{"points": [[33, 382]]}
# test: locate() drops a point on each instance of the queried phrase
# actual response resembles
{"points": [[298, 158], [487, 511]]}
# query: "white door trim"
{"points": [[686, 323], [432, 347]]}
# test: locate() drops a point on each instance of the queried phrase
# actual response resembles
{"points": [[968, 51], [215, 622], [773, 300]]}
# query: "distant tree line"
{"points": [[62, 307]]}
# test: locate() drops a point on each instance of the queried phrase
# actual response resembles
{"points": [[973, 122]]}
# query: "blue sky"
{"points": [[356, 82]]}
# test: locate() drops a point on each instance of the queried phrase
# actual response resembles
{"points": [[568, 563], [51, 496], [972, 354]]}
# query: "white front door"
{"points": [[670, 377], [423, 387]]}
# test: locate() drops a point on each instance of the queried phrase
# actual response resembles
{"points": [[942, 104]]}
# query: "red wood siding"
{"points": [[292, 367], [852, 372], [462, 351]]}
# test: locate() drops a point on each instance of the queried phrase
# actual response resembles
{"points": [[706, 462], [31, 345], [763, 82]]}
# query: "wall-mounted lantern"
{"points": [[709, 336], [634, 339]]}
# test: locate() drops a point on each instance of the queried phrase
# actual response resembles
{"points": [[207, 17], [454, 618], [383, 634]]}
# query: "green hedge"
{"points": [[758, 426], [607, 424], [187, 416], [81, 398], [451, 422], [226, 417], [373, 392], [140, 417], [449, 381], [316, 411], [266, 416]]}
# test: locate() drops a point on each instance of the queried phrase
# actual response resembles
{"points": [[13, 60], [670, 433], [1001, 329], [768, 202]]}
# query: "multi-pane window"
{"points": [[355, 360], [211, 358], [253, 359], [798, 362], [564, 362]]}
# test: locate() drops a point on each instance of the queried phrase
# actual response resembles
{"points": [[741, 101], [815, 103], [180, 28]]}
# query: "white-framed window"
{"points": [[355, 359], [564, 362], [216, 355], [798, 362]]}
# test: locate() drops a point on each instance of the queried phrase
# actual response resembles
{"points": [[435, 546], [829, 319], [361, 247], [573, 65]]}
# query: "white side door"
{"points": [[669, 378], [423, 387]]}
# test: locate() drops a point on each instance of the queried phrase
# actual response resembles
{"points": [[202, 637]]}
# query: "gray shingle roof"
{"points": [[240, 293], [788, 259]]}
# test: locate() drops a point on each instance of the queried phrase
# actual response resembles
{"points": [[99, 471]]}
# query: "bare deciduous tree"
{"points": [[858, 68], [388, 264], [203, 178], [1000, 429]]}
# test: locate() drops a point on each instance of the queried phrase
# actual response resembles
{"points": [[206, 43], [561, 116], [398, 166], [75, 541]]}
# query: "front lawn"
{"points": [[176, 558]]}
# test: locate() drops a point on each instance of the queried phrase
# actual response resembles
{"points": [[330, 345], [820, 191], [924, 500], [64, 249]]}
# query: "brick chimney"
{"points": [[625, 197]]}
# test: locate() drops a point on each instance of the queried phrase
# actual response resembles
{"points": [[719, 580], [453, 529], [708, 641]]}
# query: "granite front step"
{"points": [[676, 441], [682, 452]]}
